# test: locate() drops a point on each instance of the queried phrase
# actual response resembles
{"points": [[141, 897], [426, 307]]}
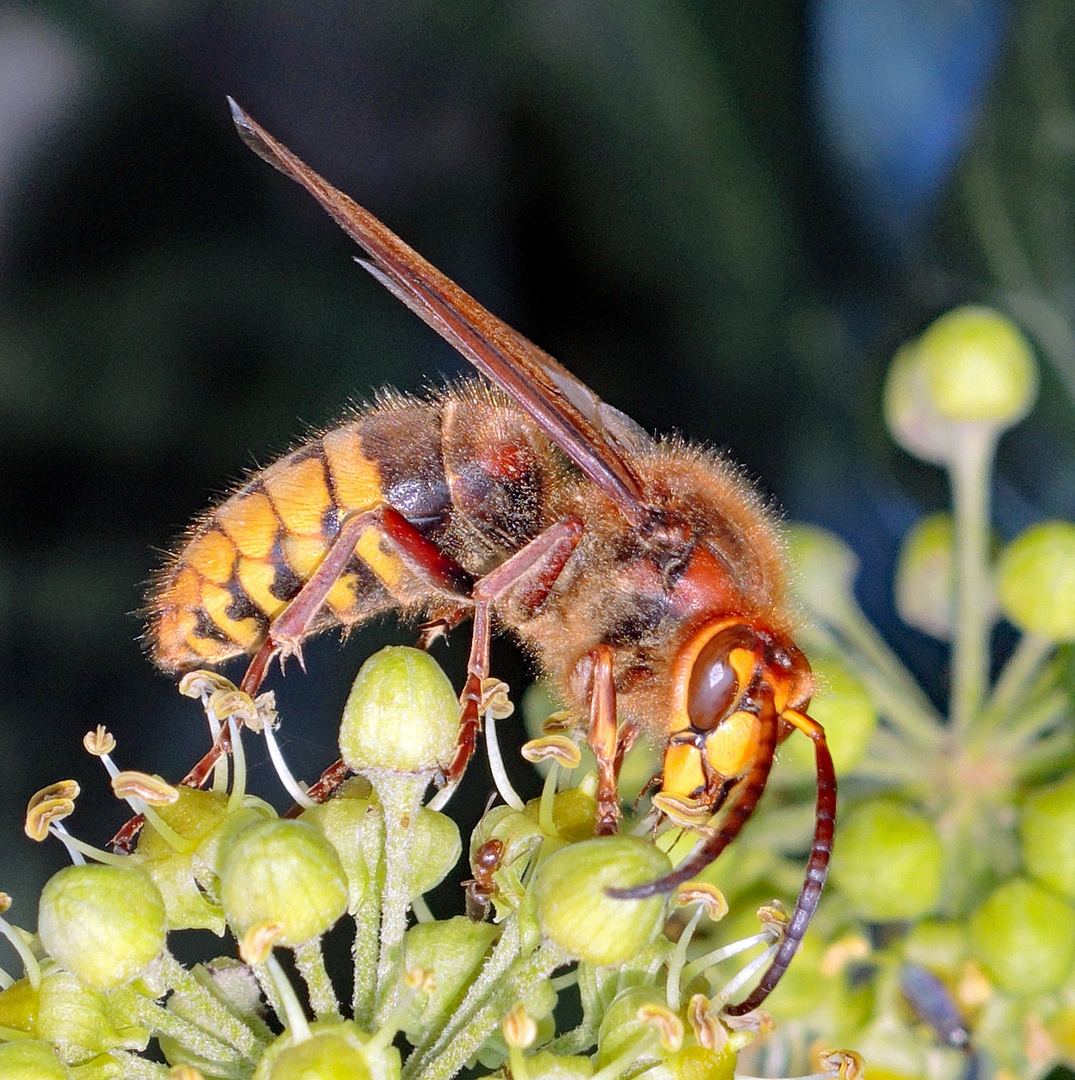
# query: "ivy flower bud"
{"points": [[402, 714], [18, 1006], [826, 570], [70, 1013], [978, 367], [924, 585], [1025, 936], [31, 1059], [889, 862], [516, 829], [453, 949], [910, 415], [343, 821], [1047, 828], [215, 844], [972, 366], [105, 924], [193, 816], [939, 945], [573, 813], [575, 910], [283, 872], [333, 1052], [625, 1025], [328, 1057], [1036, 580], [435, 849], [699, 1061], [844, 708]]}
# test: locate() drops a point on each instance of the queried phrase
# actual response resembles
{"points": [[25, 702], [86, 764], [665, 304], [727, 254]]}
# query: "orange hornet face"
{"points": [[731, 682], [643, 574], [739, 690]]}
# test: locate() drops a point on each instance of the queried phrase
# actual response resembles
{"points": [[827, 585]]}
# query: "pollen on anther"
{"points": [[258, 941], [708, 1030], [61, 790], [701, 892], [41, 816], [520, 1031], [100, 742], [666, 1022], [152, 790], [555, 747]]}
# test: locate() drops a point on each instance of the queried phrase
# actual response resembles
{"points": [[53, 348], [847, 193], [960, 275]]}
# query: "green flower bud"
{"points": [[186, 904], [342, 820], [889, 862], [844, 708], [435, 849], [978, 367], [71, 1014], [283, 872], [327, 1057], [938, 946], [925, 576], [29, 1059], [575, 910], [402, 714], [910, 413], [333, 1052], [194, 816], [18, 1006], [573, 813], [621, 1028], [454, 950], [701, 1063], [104, 923], [1025, 937], [1047, 828], [1036, 580], [826, 570], [209, 855], [893, 1051]]}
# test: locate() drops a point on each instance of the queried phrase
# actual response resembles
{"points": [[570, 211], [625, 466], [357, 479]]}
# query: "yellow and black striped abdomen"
{"points": [[247, 557], [466, 468]]}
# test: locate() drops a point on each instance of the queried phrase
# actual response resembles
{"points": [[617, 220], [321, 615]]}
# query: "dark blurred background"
{"points": [[723, 216]]}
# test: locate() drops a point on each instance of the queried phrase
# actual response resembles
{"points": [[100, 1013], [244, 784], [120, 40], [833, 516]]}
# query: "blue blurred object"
{"points": [[897, 85], [934, 1005]]}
